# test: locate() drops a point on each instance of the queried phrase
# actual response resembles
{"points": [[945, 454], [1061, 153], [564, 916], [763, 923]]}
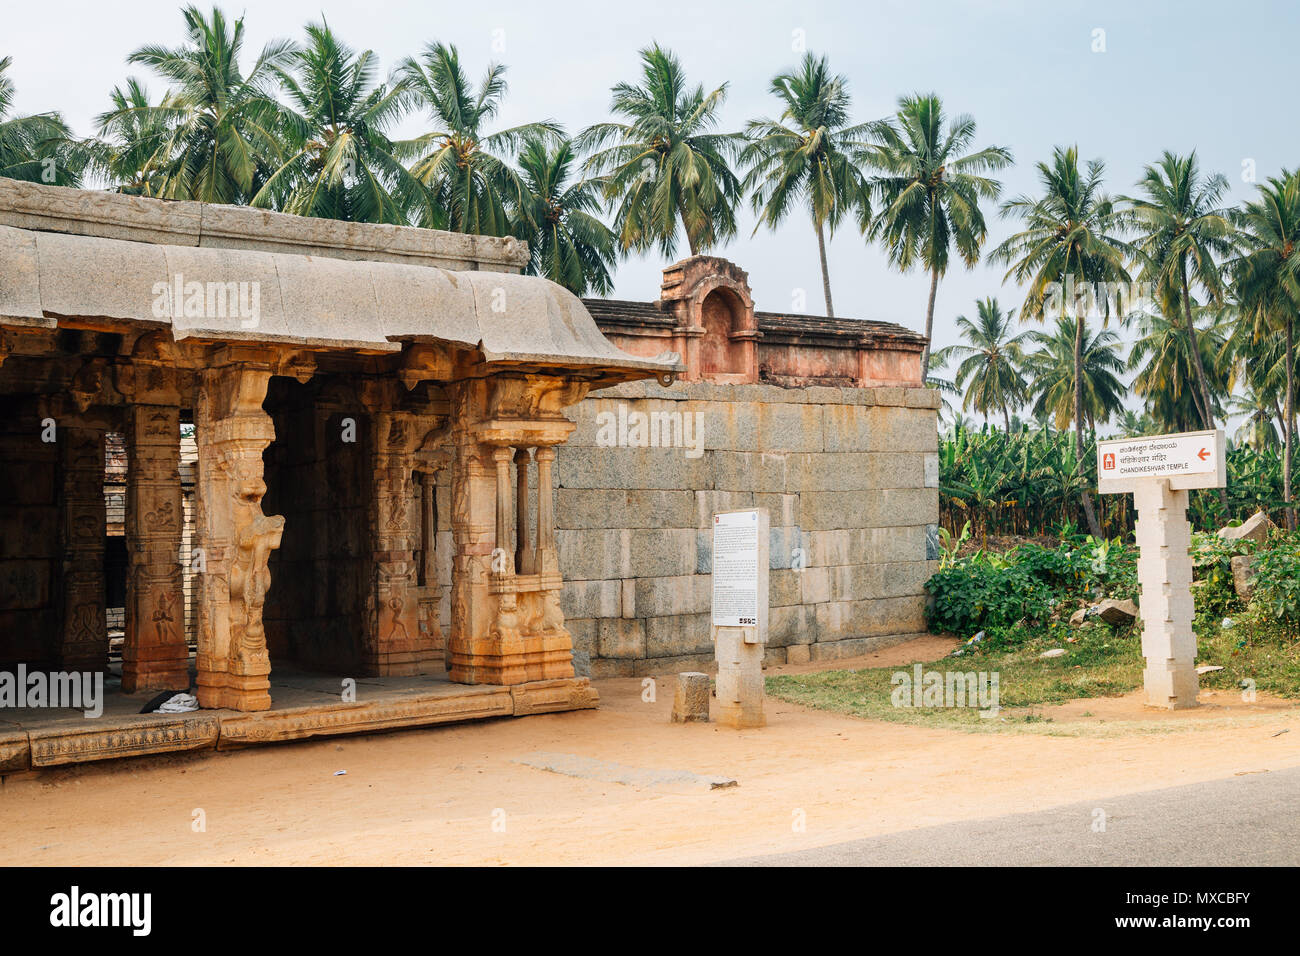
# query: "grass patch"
{"points": [[1103, 662]]}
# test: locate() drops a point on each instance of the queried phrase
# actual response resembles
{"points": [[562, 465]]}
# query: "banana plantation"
{"points": [[1031, 482]]}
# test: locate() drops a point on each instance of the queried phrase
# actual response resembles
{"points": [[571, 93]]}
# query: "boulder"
{"points": [[1078, 617], [1243, 573], [1117, 613], [1255, 528]]}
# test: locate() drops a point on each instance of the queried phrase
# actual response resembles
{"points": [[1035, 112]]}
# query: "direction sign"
{"points": [[1187, 460]]}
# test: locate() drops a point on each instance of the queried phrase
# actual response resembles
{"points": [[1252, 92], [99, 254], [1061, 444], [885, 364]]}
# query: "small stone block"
{"points": [[691, 702]]}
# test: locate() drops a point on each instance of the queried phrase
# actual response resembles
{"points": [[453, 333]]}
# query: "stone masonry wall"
{"points": [[849, 476]]}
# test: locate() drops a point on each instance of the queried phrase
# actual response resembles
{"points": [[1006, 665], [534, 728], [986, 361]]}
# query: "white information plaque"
{"points": [[735, 569]]}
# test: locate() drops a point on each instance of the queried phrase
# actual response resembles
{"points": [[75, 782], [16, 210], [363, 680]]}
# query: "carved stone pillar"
{"points": [[155, 654], [507, 627], [470, 656], [547, 560], [430, 591], [85, 627], [428, 527], [235, 537], [394, 643], [524, 554]]}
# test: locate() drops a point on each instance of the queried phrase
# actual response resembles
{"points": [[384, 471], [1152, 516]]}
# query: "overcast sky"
{"points": [[1215, 77]]}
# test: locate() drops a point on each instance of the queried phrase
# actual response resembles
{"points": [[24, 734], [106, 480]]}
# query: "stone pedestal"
{"points": [[740, 679], [1165, 574]]}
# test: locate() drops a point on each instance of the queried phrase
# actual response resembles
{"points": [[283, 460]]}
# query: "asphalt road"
{"points": [[1250, 820]]}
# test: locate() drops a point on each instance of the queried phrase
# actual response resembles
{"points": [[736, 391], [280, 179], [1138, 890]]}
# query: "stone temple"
{"points": [[251, 454]]}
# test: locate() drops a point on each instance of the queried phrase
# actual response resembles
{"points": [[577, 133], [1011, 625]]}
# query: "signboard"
{"points": [[1187, 460], [735, 569], [1159, 470]]}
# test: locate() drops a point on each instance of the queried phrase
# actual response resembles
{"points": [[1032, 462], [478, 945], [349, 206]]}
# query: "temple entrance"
{"points": [[316, 471]]}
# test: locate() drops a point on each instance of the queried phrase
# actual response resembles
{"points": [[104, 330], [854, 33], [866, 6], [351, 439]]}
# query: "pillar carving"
{"points": [[85, 628], [507, 627], [428, 466], [395, 643], [155, 652], [235, 537]]}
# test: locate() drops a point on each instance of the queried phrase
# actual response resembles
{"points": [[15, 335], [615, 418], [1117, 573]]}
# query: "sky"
{"points": [[1122, 79]]}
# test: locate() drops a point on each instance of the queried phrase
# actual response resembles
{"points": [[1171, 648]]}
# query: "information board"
{"points": [[735, 569]]}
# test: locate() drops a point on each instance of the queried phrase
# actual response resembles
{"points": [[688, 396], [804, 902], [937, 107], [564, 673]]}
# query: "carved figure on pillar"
{"points": [[236, 538]]}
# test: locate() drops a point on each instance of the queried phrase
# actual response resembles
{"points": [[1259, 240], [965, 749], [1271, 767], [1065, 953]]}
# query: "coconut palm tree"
{"points": [[1053, 366], [666, 167], [338, 161], [1166, 372], [991, 362], [1070, 236], [38, 148], [567, 241], [929, 190], [133, 140], [225, 125], [1131, 424], [1266, 280], [1183, 233], [810, 155], [465, 168], [1258, 410]]}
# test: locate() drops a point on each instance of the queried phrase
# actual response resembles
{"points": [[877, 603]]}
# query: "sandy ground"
{"points": [[456, 795]]}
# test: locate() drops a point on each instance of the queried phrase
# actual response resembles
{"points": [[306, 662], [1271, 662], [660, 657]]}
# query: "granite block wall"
{"points": [[848, 475]]}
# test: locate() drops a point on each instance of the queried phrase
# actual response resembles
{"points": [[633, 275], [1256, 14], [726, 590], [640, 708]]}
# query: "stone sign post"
{"points": [[1159, 471], [740, 564]]}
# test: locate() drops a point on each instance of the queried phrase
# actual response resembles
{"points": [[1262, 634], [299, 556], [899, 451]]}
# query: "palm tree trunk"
{"points": [[929, 324], [1006, 420], [1088, 513], [1290, 422], [826, 280], [1202, 385]]}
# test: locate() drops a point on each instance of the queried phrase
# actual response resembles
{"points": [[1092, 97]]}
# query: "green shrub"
{"points": [[977, 595], [1212, 558], [996, 593], [1277, 581]]}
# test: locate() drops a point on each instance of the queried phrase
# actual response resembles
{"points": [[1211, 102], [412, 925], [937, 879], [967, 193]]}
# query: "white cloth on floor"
{"points": [[178, 704]]}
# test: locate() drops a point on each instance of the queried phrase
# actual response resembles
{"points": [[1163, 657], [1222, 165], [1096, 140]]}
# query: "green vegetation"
{"points": [[1019, 604], [1102, 664], [1029, 482]]}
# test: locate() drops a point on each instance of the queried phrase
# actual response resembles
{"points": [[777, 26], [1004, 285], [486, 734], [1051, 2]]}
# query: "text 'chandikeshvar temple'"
{"points": [[259, 455]]}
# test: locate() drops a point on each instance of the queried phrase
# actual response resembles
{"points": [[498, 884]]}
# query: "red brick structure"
{"points": [[705, 314]]}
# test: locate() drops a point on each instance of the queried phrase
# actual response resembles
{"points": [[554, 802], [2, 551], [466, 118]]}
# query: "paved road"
{"points": [[1251, 820]]}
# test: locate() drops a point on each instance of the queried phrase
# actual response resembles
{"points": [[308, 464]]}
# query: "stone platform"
{"points": [[304, 705]]}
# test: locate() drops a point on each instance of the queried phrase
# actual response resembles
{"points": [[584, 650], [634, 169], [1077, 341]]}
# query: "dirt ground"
{"points": [[456, 795]]}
